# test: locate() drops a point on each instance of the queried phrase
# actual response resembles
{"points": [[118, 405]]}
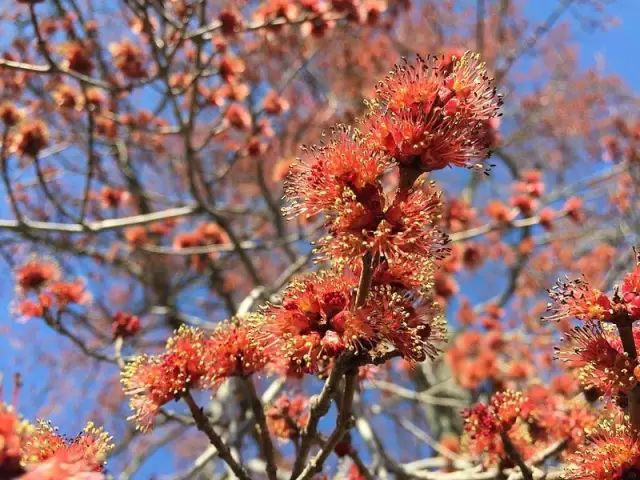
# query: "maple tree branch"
{"points": [[203, 424]]}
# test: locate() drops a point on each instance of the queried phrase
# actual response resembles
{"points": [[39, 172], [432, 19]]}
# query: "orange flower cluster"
{"points": [[424, 117], [434, 113], [611, 453], [318, 321], [376, 300], [578, 299], [40, 288], [603, 354], [531, 422], [600, 363], [39, 453], [190, 360]]}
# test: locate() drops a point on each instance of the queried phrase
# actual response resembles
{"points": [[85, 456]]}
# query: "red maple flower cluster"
{"points": [[487, 426], [525, 424], [41, 290], [287, 416], [38, 452], [578, 299], [611, 453], [434, 113], [602, 352], [595, 352], [190, 360], [376, 299], [318, 320]]}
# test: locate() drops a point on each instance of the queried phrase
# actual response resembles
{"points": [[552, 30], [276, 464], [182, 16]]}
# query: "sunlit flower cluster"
{"points": [[376, 298], [191, 359], [39, 452], [600, 363], [486, 425], [612, 452], [578, 299], [318, 320]]}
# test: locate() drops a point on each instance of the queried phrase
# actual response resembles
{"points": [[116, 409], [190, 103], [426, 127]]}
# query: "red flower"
{"points": [[230, 353], [434, 113], [287, 416], [10, 114], [152, 381], [506, 413], [630, 292], [238, 116], [579, 300], [125, 325], [36, 273], [405, 229], [31, 138], [316, 321], [89, 449], [66, 293], [112, 197], [340, 179], [128, 57], [190, 360], [599, 359], [611, 453], [77, 57]]}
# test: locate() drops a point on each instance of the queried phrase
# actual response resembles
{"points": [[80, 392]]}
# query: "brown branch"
{"points": [[515, 456], [266, 445], [344, 422], [203, 424], [319, 408], [625, 329]]}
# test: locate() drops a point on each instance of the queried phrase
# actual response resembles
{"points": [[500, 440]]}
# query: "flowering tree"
{"points": [[229, 303]]}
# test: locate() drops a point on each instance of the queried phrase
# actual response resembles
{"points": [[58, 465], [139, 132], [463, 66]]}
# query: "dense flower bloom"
{"points": [[630, 293], [128, 57], [405, 229], [32, 136], [125, 325], [77, 56], [578, 299], [71, 292], [152, 381], [340, 178], [230, 353], [611, 453], [10, 114], [597, 355], [410, 325], [190, 360], [318, 320], [88, 450], [484, 425], [555, 416], [434, 113]]}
